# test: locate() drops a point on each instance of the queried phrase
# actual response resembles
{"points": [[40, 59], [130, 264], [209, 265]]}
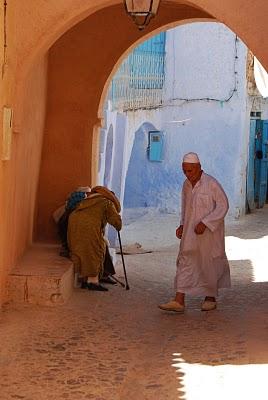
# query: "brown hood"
{"points": [[103, 191]]}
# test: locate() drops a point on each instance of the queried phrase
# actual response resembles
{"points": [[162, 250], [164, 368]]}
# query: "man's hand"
{"points": [[179, 231], [200, 228]]}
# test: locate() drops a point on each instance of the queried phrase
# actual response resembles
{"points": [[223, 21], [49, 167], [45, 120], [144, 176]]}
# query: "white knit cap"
{"points": [[191, 158], [85, 189]]}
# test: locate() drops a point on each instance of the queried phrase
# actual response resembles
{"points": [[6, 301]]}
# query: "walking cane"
{"points": [[121, 250], [117, 280]]}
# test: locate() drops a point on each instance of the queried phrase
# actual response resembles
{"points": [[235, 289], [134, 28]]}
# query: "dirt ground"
{"points": [[118, 345]]}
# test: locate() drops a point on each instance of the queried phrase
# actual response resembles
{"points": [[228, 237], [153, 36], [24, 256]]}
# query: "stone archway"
{"points": [[62, 120], [107, 46], [75, 98]]}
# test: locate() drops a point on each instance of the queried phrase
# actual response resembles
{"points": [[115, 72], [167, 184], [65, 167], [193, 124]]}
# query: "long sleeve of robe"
{"points": [[202, 265]]}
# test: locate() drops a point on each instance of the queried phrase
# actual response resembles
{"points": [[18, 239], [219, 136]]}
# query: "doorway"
{"points": [[257, 173]]}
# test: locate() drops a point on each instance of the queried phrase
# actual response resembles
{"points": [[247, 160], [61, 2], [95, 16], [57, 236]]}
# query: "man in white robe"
{"points": [[202, 265]]}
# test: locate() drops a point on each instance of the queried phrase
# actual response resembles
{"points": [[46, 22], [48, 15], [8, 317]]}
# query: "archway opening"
{"points": [[197, 107]]}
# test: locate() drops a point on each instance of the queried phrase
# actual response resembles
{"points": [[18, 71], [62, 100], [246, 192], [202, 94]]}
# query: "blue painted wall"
{"points": [[147, 181], [108, 156]]}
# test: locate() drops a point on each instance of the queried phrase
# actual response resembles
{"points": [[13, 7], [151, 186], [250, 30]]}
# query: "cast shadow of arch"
{"points": [[259, 228]]}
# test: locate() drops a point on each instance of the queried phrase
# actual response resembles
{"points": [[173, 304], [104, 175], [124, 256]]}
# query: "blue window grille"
{"points": [[139, 80]]}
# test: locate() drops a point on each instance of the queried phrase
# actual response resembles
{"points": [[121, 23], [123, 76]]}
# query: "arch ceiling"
{"points": [[47, 20]]}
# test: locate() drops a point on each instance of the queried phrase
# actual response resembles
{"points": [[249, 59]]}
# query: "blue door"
{"points": [[261, 162], [155, 148], [251, 167]]}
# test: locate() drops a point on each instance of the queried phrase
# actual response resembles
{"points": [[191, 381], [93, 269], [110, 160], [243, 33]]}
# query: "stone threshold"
{"points": [[42, 277]]}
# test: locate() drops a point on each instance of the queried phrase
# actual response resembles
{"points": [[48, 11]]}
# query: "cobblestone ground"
{"points": [[119, 345]]}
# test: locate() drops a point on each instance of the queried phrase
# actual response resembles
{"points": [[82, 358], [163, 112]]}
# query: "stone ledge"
{"points": [[42, 277]]}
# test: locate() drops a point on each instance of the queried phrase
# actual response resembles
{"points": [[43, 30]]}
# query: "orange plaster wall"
{"points": [[18, 199], [67, 136]]}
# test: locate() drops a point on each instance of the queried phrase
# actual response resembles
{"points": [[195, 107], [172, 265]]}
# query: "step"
{"points": [[42, 277]]}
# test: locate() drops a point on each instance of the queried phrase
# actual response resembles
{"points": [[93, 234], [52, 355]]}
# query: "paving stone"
{"points": [[122, 347]]}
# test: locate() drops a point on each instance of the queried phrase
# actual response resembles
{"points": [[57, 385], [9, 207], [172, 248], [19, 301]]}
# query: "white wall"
{"points": [[204, 61]]}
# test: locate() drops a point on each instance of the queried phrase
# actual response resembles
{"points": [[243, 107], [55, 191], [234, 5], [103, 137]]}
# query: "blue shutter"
{"points": [[143, 66]]}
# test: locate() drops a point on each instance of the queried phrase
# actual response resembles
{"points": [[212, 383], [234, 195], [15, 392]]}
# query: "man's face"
{"points": [[191, 171]]}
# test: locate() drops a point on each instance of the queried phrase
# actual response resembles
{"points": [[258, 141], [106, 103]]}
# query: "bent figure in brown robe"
{"points": [[86, 230]]}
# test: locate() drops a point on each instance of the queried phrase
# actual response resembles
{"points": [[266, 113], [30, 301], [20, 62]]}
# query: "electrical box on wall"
{"points": [[155, 147]]}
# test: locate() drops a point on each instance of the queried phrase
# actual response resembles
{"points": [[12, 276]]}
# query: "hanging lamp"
{"points": [[141, 11]]}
